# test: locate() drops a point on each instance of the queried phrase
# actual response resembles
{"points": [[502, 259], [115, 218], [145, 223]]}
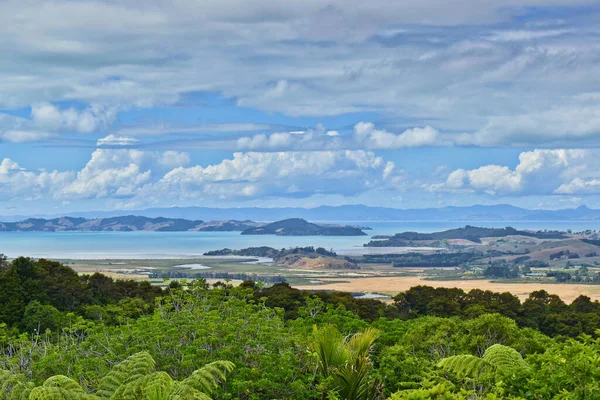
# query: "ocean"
{"points": [[131, 245]]}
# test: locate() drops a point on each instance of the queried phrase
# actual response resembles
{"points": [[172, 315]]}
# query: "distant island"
{"points": [[126, 223], [470, 233], [301, 227], [132, 223]]}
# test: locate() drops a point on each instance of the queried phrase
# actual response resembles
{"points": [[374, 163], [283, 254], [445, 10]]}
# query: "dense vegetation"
{"points": [[265, 251], [413, 259], [195, 341], [470, 233]]}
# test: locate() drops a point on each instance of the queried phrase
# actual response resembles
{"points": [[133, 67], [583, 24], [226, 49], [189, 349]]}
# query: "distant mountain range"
{"points": [[500, 212]]}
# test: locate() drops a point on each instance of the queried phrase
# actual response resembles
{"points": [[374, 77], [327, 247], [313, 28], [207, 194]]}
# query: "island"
{"points": [[301, 227], [126, 223]]}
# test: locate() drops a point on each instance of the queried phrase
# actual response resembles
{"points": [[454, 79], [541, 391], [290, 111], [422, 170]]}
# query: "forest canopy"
{"points": [[66, 336]]}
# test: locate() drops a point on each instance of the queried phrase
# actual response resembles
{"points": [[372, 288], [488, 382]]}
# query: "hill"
{"points": [[301, 227], [122, 224], [470, 233]]}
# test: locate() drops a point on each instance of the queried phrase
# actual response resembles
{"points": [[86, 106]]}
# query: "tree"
{"points": [[346, 362]]}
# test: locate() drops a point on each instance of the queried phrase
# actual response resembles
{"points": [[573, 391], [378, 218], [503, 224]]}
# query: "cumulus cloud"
{"points": [[47, 120], [366, 134], [541, 171], [284, 174], [50, 117], [116, 171]]}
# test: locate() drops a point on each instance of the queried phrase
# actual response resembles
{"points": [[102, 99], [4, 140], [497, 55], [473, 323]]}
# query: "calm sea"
{"points": [[82, 245]]}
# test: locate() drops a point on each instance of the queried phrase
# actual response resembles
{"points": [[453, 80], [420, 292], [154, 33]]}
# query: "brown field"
{"points": [[394, 285]]}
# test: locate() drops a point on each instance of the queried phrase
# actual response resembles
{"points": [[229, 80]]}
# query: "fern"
{"points": [[466, 365], [58, 393], [132, 379], [63, 382], [496, 359], [505, 359], [207, 378], [130, 369], [14, 386]]}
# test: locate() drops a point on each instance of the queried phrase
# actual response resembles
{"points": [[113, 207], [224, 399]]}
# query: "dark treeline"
{"points": [[542, 311], [39, 293], [265, 251], [220, 275], [418, 259], [34, 291]]}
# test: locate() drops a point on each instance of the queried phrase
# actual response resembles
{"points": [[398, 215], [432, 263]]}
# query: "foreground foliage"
{"points": [[133, 379], [280, 343]]}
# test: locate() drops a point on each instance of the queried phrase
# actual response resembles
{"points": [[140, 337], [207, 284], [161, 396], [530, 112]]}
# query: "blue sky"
{"points": [[110, 105]]}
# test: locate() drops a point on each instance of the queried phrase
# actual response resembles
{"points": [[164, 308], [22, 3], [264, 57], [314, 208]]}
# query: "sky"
{"points": [[129, 104]]}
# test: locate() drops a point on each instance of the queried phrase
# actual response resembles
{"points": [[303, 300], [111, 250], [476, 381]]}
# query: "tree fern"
{"points": [[58, 393], [503, 358], [496, 359], [134, 367], [207, 378], [132, 379], [466, 365], [14, 386]]}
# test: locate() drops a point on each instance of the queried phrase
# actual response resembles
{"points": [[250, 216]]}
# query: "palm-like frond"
{"points": [[347, 361], [360, 344], [330, 348]]}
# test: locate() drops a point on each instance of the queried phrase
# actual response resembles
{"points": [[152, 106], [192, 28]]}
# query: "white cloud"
{"points": [[49, 117], [366, 134], [116, 171], [538, 172], [296, 174], [444, 63], [174, 159], [113, 140]]}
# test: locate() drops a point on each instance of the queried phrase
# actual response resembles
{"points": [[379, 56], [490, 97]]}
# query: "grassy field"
{"points": [[394, 285]]}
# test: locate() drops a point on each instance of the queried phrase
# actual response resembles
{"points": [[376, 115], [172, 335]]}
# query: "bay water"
{"points": [[131, 245]]}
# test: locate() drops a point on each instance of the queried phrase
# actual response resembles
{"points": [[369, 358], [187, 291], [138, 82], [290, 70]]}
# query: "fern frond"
{"points": [[184, 392], [58, 393], [158, 386], [14, 386], [63, 382], [503, 358], [466, 365], [207, 378], [131, 369]]}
